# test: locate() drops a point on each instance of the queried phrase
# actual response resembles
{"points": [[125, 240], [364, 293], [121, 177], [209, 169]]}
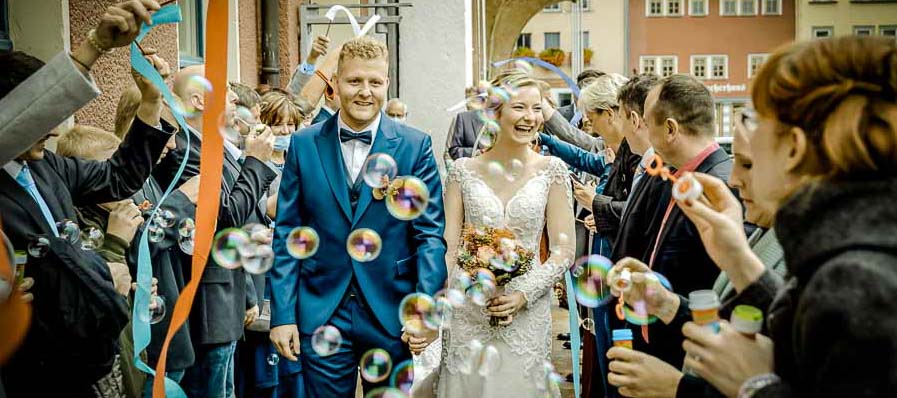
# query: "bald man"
{"points": [[397, 110], [226, 298]]}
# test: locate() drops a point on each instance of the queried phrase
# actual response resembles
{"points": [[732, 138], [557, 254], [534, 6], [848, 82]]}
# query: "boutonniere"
{"points": [[387, 188]]}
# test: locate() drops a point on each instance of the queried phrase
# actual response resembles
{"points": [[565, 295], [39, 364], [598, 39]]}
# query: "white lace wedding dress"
{"points": [[544, 200]]}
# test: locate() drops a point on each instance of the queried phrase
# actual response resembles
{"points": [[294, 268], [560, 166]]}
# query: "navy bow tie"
{"points": [[347, 135]]}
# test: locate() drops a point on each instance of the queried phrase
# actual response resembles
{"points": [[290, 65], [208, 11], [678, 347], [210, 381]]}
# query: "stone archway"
{"points": [[505, 19]]}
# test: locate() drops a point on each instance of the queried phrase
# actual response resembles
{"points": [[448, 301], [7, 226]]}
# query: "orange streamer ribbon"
{"points": [[15, 314], [211, 164]]}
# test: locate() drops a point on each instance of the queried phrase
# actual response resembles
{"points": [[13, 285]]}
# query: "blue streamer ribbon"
{"points": [[139, 323], [574, 331], [577, 117]]}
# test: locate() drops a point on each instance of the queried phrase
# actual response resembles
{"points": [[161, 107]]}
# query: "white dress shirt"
{"points": [[356, 152]]}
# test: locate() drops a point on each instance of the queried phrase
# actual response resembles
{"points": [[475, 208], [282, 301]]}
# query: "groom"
{"points": [[323, 188]]}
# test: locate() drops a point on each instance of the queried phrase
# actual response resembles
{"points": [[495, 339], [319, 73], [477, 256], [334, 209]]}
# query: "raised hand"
{"points": [[726, 359], [318, 49], [120, 24], [260, 146], [124, 220]]}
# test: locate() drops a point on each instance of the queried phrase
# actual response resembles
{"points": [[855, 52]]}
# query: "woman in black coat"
{"points": [[826, 148]]}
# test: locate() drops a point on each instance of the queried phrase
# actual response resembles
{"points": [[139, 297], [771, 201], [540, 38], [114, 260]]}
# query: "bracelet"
{"points": [[757, 383], [92, 39], [78, 61]]}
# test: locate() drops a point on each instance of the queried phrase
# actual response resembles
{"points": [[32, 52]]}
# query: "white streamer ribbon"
{"points": [[359, 30]]}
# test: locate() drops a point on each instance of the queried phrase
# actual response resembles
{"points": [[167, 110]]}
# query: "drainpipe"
{"points": [[270, 10]]}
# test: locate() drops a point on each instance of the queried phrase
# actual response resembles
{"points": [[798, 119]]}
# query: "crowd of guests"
{"points": [[796, 222]]}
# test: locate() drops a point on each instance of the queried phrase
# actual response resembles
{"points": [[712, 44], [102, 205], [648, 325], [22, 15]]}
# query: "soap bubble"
{"points": [[165, 218], [91, 238], [302, 242], [39, 247], [326, 340], [69, 231], [187, 228], [273, 359], [376, 167], [454, 296], [156, 311], [229, 246], [588, 324], [470, 357], [376, 365], [550, 378], [195, 84], [156, 233], [364, 245], [637, 313], [403, 376], [409, 200], [259, 234], [590, 285], [186, 244], [495, 169], [489, 361], [462, 281], [386, 392], [414, 310], [259, 260], [523, 66], [515, 170]]}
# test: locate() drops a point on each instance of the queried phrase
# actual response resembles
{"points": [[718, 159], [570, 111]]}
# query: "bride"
{"points": [[539, 196]]}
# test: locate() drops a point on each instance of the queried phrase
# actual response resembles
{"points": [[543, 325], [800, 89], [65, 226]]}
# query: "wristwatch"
{"points": [[757, 383]]}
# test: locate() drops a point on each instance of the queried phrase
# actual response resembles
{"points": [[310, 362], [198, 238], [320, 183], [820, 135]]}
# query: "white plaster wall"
{"points": [[39, 27], [432, 74]]}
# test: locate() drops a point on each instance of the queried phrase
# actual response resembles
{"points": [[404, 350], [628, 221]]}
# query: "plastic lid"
{"points": [[703, 300], [21, 257], [747, 319], [621, 335]]}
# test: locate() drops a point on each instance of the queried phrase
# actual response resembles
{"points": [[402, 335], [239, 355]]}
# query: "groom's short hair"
{"points": [[363, 47]]}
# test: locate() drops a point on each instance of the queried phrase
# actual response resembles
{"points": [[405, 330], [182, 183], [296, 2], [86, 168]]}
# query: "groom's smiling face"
{"points": [[362, 85]]}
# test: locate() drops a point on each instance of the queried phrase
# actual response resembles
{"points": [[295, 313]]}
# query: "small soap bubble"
{"points": [[590, 284], [490, 361], [39, 247], [165, 218], [588, 324], [229, 246], [364, 245], [409, 200], [302, 242], [376, 167], [470, 357], [156, 233], [91, 238], [414, 310], [523, 66], [259, 260], [495, 169], [375, 365], [195, 85], [69, 231], [186, 228], [403, 376], [386, 392], [326, 340], [156, 312], [515, 170], [186, 244], [273, 359]]}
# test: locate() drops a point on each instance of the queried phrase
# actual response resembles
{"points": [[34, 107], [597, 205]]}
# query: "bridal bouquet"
{"points": [[493, 249]]}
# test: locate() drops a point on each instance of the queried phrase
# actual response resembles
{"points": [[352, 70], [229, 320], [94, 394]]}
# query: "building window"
{"points": [[553, 8], [728, 7], [863, 30], [191, 33], [654, 8], [698, 8], [5, 42], [699, 66], [719, 67], [648, 64], [674, 7], [888, 30], [772, 7], [552, 40], [586, 40], [586, 5], [754, 63], [662, 65], [525, 40], [823, 31], [748, 7]]}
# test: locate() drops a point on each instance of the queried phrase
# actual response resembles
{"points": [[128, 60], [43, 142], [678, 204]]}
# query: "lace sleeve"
{"points": [[454, 216], [561, 237]]}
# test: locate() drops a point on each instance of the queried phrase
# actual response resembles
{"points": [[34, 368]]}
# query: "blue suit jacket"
{"points": [[314, 193]]}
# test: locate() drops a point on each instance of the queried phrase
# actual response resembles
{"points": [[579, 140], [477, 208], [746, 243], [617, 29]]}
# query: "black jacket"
{"points": [[680, 257], [221, 300], [834, 323], [608, 207], [65, 183]]}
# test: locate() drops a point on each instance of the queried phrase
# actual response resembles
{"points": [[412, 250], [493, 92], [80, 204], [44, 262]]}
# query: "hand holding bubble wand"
{"points": [[646, 291]]}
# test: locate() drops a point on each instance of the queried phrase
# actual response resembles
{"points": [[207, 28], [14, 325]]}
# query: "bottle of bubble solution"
{"points": [[622, 338], [704, 306], [747, 320]]}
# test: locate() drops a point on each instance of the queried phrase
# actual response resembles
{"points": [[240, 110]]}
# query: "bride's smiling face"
{"points": [[521, 117]]}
